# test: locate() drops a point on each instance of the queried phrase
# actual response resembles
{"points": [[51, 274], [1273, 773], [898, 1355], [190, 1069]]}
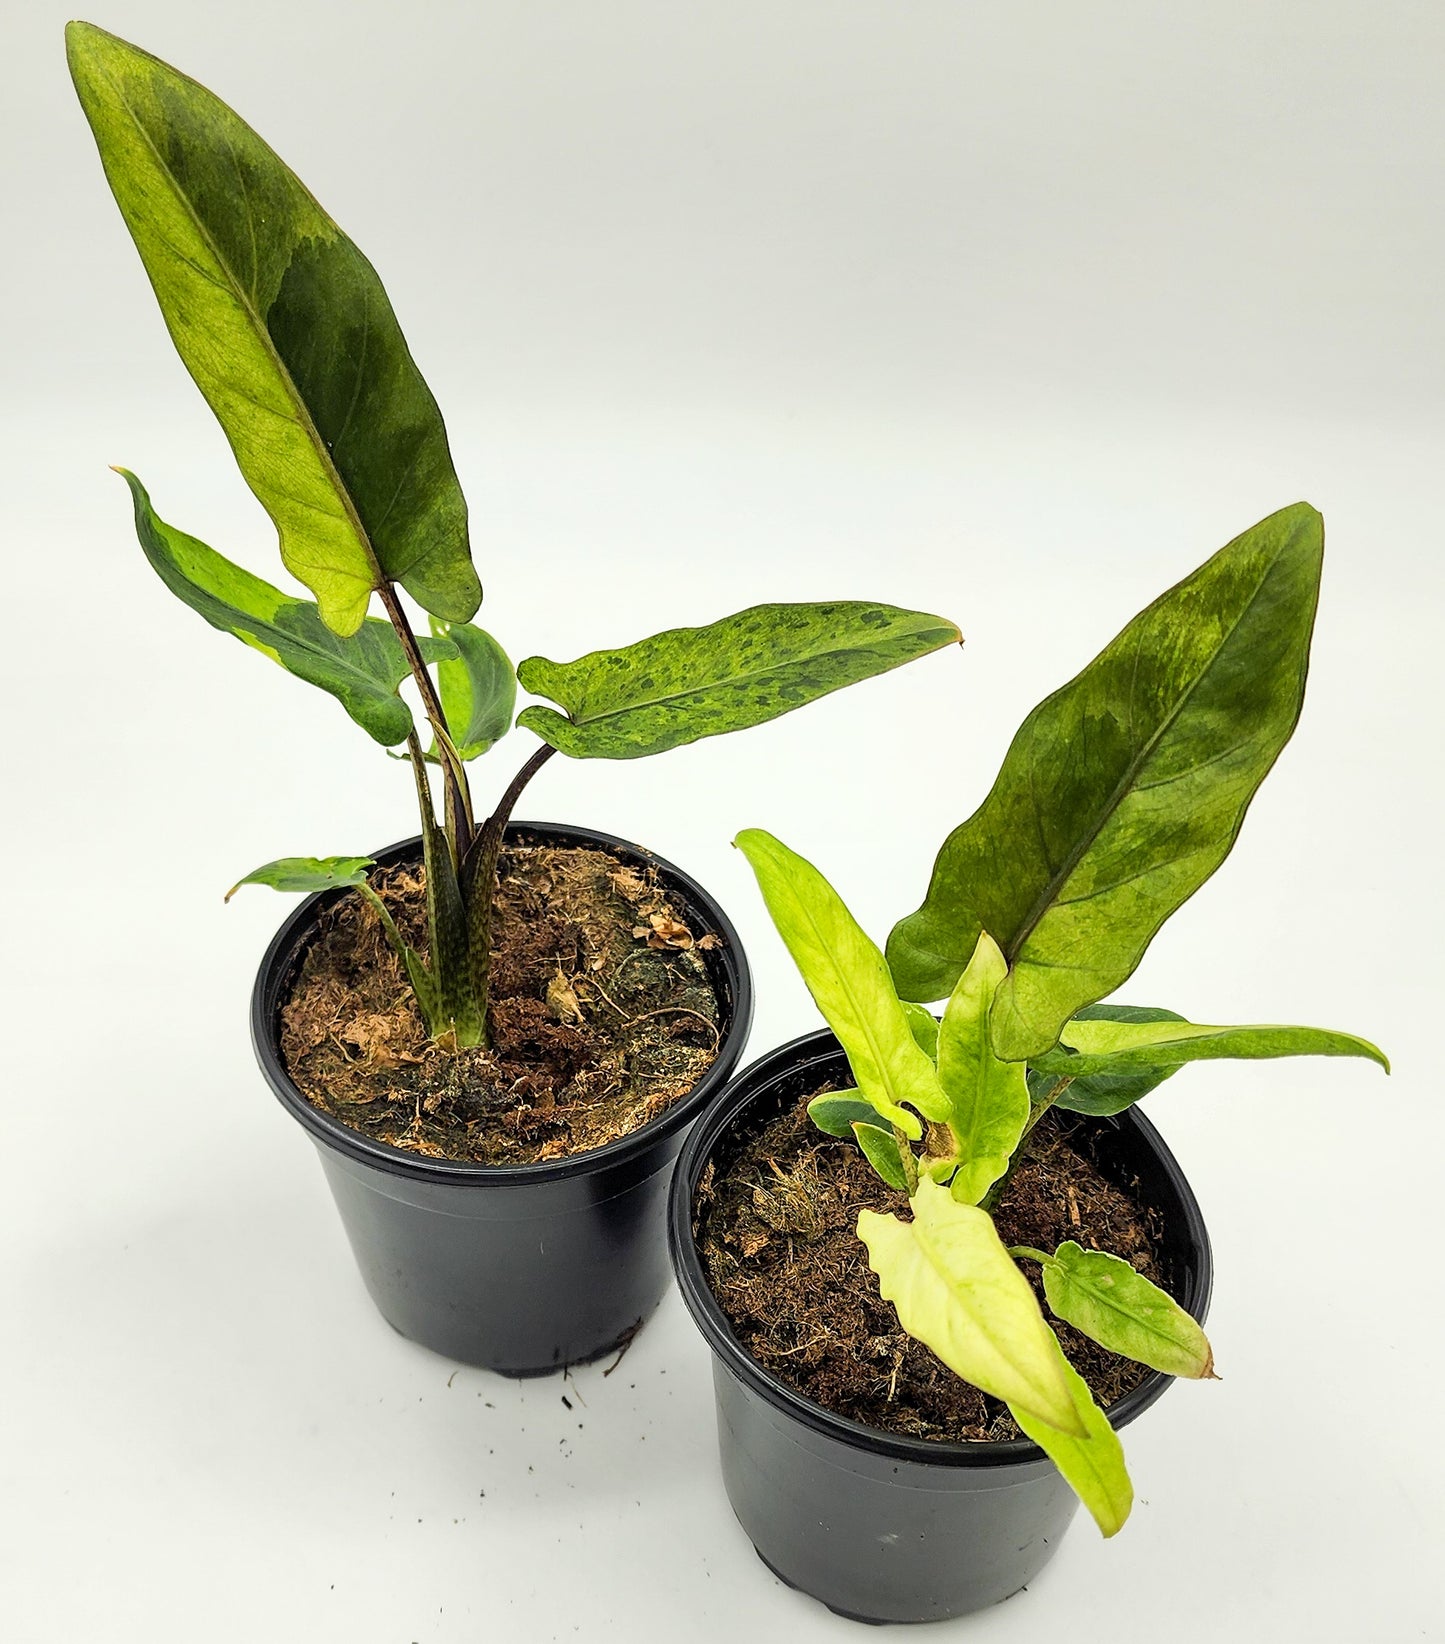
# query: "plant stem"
{"points": [[479, 876], [1028, 1253], [459, 824]]}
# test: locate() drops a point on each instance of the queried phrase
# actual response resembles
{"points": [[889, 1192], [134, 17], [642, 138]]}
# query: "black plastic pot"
{"points": [[880, 1526], [522, 1269]]}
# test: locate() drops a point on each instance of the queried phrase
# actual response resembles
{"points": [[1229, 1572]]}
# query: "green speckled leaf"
{"points": [[1105, 1093], [1124, 791], [289, 335], [478, 688], [1120, 1309], [362, 671], [689, 683]]}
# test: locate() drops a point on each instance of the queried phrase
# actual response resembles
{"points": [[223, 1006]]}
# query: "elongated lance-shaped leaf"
{"points": [[1122, 1310], [957, 1290], [693, 682], [307, 874], [289, 335], [478, 689], [1124, 791], [1113, 1047], [362, 670], [988, 1097], [848, 979], [880, 1148], [1093, 1466], [1104, 1093]]}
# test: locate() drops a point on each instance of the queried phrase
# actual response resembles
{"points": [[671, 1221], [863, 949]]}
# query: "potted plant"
{"points": [[915, 1461], [495, 1032]]}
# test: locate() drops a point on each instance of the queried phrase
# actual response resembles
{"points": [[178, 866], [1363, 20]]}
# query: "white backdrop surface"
{"points": [[1011, 312]]}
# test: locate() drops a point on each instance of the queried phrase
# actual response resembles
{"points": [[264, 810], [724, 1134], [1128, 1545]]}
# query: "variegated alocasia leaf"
{"points": [[1093, 1465], [307, 874], [958, 1291], [925, 1029], [988, 1098], [848, 979], [1095, 1047], [361, 670], [1120, 1309], [1123, 791], [289, 335], [478, 688], [689, 683]]}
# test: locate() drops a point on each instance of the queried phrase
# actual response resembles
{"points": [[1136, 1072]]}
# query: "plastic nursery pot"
{"points": [[521, 1269], [880, 1526]]}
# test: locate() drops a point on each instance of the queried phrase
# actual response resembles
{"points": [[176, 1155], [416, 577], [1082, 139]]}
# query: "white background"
{"points": [[1012, 312]]}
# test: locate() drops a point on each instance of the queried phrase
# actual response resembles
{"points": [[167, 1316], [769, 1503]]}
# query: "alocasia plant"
{"points": [[289, 335], [1120, 795]]}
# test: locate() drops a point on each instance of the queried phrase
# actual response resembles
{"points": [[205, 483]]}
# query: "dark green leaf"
{"points": [[693, 682], [880, 1148], [478, 688], [1101, 1094], [362, 671], [836, 1112], [1124, 791], [307, 874], [289, 335]]}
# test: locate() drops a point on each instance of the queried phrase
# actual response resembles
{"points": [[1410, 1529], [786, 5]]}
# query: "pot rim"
{"points": [[751, 1084], [397, 1161]]}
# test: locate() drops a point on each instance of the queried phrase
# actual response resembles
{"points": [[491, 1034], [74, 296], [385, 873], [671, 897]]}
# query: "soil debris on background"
{"points": [[595, 1030], [776, 1228]]}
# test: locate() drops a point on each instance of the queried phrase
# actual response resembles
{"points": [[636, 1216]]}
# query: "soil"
{"points": [[776, 1230], [602, 1014]]}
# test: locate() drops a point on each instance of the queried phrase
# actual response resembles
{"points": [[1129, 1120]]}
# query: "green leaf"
{"points": [[1124, 791], [1121, 1310], [478, 688], [306, 874], [849, 982], [362, 670], [836, 1112], [1097, 1047], [880, 1148], [957, 1290], [289, 335], [988, 1097], [1106, 1093], [923, 1025], [693, 682], [1094, 1465]]}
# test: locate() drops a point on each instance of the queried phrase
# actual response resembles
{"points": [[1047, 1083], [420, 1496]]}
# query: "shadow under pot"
{"points": [[526, 1268], [880, 1526]]}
